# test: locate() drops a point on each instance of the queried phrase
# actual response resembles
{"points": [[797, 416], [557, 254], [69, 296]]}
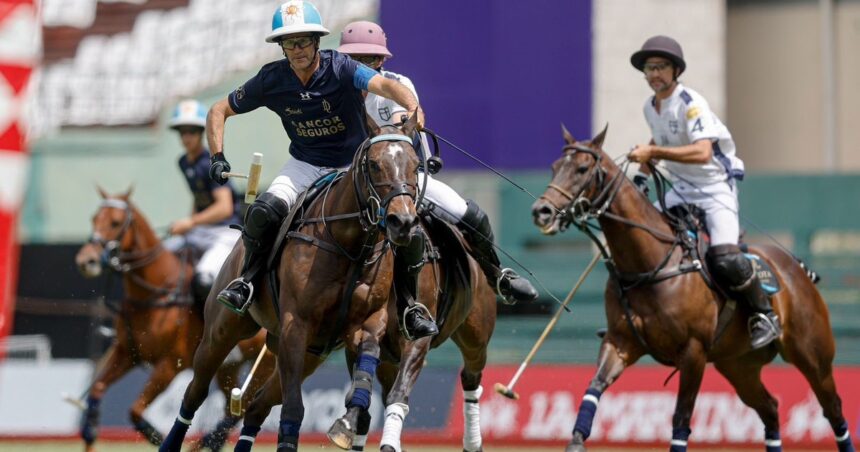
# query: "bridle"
{"points": [[373, 208]]}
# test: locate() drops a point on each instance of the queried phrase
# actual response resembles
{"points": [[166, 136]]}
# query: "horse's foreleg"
{"points": [[397, 397], [117, 364], [259, 408], [691, 365], [342, 432], [473, 344], [745, 377], [219, 337], [161, 376], [614, 358], [227, 377], [293, 339]]}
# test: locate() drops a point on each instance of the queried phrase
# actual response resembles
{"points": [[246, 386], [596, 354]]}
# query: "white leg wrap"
{"points": [[394, 416], [472, 419], [359, 442]]}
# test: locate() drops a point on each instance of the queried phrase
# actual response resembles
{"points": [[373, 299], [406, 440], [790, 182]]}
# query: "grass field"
{"points": [[115, 446]]}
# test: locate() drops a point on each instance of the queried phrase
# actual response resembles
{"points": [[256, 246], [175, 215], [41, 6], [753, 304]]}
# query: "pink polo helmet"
{"points": [[363, 38]]}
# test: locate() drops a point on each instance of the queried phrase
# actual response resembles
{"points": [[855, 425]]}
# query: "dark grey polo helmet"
{"points": [[659, 46]]}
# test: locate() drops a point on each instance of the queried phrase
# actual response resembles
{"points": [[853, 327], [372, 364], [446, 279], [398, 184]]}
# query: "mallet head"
{"points": [[509, 393], [236, 402]]}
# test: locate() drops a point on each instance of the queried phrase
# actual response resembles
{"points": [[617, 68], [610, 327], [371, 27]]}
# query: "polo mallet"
{"points": [[79, 402], [253, 177], [236, 394], [508, 391]]}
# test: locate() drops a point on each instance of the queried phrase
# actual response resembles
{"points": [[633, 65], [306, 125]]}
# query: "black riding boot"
{"points": [[262, 221], [415, 320], [475, 227], [737, 272]]}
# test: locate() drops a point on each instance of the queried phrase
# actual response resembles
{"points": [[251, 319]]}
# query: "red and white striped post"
{"points": [[19, 54]]}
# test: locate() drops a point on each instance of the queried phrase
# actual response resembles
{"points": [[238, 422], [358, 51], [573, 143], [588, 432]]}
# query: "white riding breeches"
{"points": [[720, 203], [296, 176], [215, 241], [442, 195]]}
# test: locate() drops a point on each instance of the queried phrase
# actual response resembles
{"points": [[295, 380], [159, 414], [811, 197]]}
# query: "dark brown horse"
{"points": [[465, 307], [653, 308], [157, 322], [334, 281]]}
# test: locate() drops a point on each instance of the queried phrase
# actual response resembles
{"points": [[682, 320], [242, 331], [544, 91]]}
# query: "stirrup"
{"points": [[504, 274], [415, 307], [773, 328], [244, 308]]}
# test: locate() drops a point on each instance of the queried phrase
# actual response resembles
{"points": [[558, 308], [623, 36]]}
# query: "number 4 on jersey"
{"points": [[697, 126]]}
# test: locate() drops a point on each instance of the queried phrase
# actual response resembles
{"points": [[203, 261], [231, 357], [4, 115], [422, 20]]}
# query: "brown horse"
{"points": [[466, 312], [653, 306], [157, 322], [334, 278]]}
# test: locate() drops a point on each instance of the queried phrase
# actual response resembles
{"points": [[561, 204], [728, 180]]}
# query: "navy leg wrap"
{"points": [[585, 416], [366, 365], [90, 420], [246, 438], [772, 442], [288, 435], [843, 438], [679, 439], [173, 442]]}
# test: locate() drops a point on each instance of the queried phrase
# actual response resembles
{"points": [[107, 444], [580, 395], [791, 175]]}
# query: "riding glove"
{"points": [[217, 166]]}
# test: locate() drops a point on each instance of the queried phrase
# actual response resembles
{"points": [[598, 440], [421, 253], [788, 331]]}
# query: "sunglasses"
{"points": [[300, 42], [367, 60], [658, 67]]}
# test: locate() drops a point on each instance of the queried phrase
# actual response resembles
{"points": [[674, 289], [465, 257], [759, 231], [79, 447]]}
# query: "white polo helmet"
{"points": [[189, 112], [296, 16]]}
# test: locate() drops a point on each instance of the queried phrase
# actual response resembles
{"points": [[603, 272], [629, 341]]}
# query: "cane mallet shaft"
{"points": [[508, 391], [253, 177], [236, 394]]}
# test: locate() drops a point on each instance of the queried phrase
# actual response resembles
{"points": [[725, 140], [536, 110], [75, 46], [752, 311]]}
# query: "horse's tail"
{"points": [[812, 274]]}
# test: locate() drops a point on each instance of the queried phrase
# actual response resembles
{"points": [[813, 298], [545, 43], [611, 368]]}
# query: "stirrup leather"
{"points": [[244, 308], [415, 307]]}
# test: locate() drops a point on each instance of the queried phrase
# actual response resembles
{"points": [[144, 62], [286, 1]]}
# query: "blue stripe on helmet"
{"points": [[277, 20], [312, 16]]}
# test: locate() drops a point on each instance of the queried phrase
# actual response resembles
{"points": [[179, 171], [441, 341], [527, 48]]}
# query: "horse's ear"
{"points": [[372, 128], [411, 124], [597, 141], [101, 191], [128, 192], [568, 138]]}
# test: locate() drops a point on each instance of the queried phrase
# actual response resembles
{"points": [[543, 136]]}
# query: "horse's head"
{"points": [[388, 170], [578, 183], [111, 224]]}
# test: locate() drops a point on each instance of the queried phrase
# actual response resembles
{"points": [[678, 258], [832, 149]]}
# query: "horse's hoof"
{"points": [[341, 435], [386, 448], [480, 449], [575, 448]]}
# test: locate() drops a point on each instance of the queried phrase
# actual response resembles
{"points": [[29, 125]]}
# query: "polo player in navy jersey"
{"points": [[318, 96]]}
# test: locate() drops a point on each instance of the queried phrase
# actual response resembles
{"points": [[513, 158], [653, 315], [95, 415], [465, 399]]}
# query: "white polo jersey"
{"points": [[383, 110], [685, 117]]}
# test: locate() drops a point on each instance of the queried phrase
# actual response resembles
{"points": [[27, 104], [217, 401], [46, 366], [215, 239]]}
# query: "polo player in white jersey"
{"points": [[698, 152]]}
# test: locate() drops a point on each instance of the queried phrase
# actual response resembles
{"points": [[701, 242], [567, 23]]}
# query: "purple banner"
{"points": [[496, 78]]}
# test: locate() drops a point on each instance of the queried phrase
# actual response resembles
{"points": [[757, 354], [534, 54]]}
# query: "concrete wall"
{"points": [[775, 84], [620, 28]]}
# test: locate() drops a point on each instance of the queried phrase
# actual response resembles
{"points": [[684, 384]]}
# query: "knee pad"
{"points": [[263, 219], [477, 221], [730, 265]]}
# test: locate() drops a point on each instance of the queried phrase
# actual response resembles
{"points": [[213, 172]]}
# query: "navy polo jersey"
{"points": [[324, 119], [202, 187]]}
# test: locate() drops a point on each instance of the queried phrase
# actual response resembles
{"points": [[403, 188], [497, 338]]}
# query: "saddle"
{"points": [[694, 226]]}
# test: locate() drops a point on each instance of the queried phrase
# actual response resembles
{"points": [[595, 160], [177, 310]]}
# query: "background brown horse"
{"points": [[675, 319], [467, 315], [372, 204], [157, 322]]}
